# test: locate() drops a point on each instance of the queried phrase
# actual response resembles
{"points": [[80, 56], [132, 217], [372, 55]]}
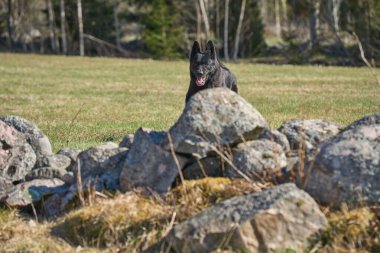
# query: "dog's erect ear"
{"points": [[210, 49], [196, 49]]}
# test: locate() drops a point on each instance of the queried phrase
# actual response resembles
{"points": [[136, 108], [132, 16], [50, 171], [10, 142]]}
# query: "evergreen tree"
{"points": [[252, 40], [163, 35]]}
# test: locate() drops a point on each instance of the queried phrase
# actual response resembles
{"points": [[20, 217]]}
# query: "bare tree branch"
{"points": [[226, 14], [238, 30], [205, 18], [362, 55], [80, 27], [63, 28]]}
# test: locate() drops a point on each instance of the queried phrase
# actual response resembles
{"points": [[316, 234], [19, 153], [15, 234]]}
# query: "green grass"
{"points": [[80, 102]]}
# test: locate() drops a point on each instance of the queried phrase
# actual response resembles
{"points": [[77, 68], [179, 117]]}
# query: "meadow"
{"points": [[80, 102]]}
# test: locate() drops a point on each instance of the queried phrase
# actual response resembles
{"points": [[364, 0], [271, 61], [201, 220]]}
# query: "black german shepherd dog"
{"points": [[207, 72]]}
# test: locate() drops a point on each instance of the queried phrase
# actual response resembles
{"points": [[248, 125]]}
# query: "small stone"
{"points": [[257, 160], [71, 153], [33, 191], [127, 141], [206, 167]]}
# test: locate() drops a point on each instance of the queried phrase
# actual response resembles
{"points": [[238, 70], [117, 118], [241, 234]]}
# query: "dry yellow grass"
{"points": [[133, 222], [350, 231], [25, 235]]}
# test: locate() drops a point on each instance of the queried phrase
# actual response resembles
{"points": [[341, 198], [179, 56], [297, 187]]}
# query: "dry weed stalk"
{"points": [[72, 123], [79, 185], [202, 168], [171, 146]]}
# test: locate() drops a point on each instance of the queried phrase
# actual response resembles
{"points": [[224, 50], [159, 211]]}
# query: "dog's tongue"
{"points": [[200, 81]]}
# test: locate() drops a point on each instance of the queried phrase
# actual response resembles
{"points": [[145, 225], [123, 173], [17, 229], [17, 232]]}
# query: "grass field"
{"points": [[80, 102]]}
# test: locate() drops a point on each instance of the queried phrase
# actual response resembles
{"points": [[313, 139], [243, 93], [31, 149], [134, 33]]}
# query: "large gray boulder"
{"points": [[347, 168], [149, 166], [280, 218], [17, 157], [215, 117], [308, 134], [257, 160], [35, 137]]}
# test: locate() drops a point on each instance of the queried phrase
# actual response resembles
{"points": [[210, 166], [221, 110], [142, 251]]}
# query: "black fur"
{"points": [[207, 72]]}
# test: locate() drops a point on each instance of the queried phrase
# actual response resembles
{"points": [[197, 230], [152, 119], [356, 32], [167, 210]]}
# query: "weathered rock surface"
{"points": [[215, 117], [370, 120], [5, 186], [17, 157], [71, 153], [46, 172], [280, 218], [99, 160], [10, 137], [206, 167], [26, 193], [39, 142], [308, 133], [347, 168], [59, 162], [257, 160], [148, 165], [276, 136], [127, 141]]}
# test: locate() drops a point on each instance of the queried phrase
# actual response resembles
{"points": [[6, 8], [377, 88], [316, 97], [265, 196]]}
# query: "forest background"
{"points": [[326, 32]]}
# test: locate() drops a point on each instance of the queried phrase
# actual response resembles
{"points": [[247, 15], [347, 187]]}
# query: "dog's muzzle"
{"points": [[200, 80]]}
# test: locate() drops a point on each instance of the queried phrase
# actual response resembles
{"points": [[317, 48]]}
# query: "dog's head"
{"points": [[203, 64]]}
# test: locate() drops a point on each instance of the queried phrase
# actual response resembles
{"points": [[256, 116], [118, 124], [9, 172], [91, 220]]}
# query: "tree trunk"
{"points": [[217, 21], [292, 23], [199, 20], [226, 13], [51, 26], [264, 11], [42, 46], [117, 25], [238, 30], [205, 18], [277, 17], [335, 13], [10, 25], [284, 8], [80, 26], [63, 29], [314, 23]]}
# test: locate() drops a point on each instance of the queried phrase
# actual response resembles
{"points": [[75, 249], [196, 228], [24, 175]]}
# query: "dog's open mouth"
{"points": [[200, 81]]}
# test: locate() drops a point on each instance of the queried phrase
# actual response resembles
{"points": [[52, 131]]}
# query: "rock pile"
{"points": [[219, 134]]}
